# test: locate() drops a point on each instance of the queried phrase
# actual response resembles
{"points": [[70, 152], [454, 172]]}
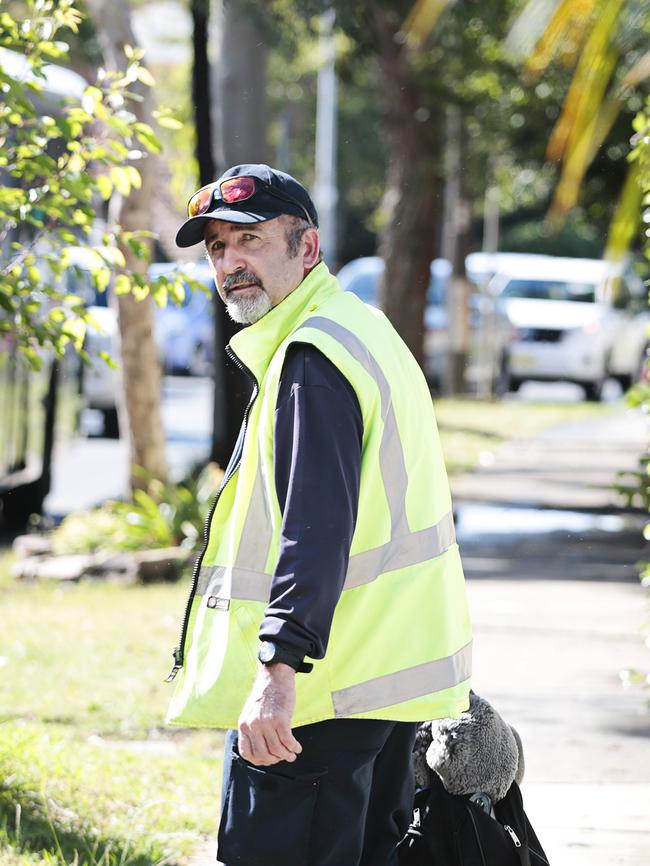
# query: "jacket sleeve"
{"points": [[318, 434]]}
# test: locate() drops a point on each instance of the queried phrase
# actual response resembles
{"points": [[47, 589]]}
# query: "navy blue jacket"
{"points": [[318, 434]]}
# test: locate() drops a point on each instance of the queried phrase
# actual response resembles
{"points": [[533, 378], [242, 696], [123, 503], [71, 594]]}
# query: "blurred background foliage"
{"points": [[511, 102]]}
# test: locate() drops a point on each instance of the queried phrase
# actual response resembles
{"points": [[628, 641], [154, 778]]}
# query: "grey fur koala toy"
{"points": [[477, 752]]}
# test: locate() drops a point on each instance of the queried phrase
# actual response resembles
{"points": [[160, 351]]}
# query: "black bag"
{"points": [[450, 830]]}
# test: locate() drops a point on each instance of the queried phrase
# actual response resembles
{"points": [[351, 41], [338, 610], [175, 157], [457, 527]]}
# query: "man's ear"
{"points": [[311, 248]]}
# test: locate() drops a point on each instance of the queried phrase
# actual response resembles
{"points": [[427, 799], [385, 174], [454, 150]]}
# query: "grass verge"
{"points": [[471, 429], [88, 773]]}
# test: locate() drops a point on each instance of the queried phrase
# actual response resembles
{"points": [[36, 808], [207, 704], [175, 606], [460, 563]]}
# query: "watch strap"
{"points": [[286, 657]]}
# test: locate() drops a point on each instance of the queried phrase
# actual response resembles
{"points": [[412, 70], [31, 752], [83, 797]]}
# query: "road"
{"points": [[88, 470]]}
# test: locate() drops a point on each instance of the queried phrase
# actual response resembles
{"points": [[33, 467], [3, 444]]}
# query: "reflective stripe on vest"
{"points": [[364, 567], [405, 685], [250, 582]]}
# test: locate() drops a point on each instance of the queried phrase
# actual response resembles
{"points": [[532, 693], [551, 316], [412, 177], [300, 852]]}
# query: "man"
{"points": [[331, 539]]}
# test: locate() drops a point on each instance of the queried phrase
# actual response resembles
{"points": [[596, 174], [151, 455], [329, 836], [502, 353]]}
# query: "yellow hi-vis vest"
{"points": [[400, 642]]}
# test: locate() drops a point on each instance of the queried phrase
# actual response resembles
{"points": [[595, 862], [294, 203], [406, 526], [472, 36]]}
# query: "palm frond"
{"points": [[565, 34], [625, 222], [592, 75], [422, 19], [586, 138], [528, 26]]}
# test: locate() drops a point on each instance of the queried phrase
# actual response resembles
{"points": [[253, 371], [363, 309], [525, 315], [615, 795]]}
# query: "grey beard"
{"points": [[248, 310]]}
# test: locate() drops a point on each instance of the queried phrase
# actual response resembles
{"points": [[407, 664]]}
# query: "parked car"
{"points": [[362, 277], [184, 333], [568, 322]]}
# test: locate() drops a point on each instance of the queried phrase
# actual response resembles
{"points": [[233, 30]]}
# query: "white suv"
{"points": [[569, 320]]}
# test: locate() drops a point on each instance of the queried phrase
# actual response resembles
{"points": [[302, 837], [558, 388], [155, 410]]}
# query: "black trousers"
{"points": [[345, 801]]}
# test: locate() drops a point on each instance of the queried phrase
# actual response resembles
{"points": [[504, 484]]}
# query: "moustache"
{"points": [[239, 279]]}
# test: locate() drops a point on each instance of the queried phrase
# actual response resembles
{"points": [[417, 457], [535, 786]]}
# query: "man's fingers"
{"points": [[275, 746], [255, 747], [244, 746], [287, 739], [267, 743], [252, 750]]}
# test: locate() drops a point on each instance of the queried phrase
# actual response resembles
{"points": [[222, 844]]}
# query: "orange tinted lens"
{"points": [[200, 201], [237, 189]]}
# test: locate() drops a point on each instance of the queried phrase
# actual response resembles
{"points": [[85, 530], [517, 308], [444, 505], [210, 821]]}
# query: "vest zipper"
{"points": [[179, 652]]}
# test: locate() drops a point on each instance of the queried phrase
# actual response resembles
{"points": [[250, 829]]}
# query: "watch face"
{"points": [[267, 652]]}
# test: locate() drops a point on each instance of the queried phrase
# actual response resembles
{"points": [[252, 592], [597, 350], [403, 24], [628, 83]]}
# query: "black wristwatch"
{"points": [[270, 653]]}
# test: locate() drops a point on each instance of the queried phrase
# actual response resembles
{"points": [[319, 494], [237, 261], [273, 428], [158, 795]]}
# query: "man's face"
{"points": [[252, 267]]}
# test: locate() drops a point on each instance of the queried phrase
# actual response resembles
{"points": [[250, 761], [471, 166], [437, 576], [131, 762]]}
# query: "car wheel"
{"points": [[625, 380], [502, 381], [111, 423], [594, 390], [200, 365]]}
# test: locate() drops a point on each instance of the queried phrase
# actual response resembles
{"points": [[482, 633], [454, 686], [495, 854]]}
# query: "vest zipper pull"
{"points": [[177, 665], [513, 835]]}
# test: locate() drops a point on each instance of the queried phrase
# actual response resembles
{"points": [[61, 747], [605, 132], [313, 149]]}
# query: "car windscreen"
{"points": [[364, 286], [550, 290]]}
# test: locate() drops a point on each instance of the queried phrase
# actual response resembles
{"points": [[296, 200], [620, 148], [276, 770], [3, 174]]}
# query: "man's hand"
{"points": [[265, 736]]}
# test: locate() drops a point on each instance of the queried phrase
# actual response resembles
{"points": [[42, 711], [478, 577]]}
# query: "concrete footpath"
{"points": [[557, 610]]}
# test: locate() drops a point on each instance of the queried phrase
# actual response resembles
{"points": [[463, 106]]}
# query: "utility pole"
{"points": [[325, 189]]}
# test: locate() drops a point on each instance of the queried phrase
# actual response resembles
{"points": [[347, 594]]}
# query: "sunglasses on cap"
{"points": [[235, 190]]}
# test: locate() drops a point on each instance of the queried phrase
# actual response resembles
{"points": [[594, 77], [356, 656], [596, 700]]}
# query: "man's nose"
{"points": [[232, 260]]}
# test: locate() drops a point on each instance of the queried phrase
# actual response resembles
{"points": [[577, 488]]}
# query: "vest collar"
{"points": [[256, 344]]}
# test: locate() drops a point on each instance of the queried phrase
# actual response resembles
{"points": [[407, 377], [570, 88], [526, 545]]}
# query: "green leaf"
{"points": [[104, 186], [122, 284], [121, 180], [146, 77], [170, 123], [147, 137]]}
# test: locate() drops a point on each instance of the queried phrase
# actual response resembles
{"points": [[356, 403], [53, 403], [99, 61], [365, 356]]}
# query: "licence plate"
{"points": [[525, 360]]}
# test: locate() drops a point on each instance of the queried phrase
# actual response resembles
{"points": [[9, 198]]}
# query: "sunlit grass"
{"points": [[470, 429], [86, 764], [106, 800], [93, 655]]}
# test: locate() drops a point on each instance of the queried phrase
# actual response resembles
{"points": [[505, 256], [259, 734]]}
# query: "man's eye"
{"points": [[249, 237], [217, 245]]}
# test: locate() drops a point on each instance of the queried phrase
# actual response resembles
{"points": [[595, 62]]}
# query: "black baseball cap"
{"points": [[276, 193]]}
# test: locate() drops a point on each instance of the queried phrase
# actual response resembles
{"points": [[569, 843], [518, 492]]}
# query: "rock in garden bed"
{"points": [[36, 561]]}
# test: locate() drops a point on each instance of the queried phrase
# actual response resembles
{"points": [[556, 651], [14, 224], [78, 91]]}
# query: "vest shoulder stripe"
{"points": [[392, 463], [404, 685]]}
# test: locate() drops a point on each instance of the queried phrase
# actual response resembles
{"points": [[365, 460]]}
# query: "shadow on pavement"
{"points": [[538, 544]]}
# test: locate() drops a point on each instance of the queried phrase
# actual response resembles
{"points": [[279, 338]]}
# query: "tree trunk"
{"points": [[237, 134], [140, 410], [413, 197], [455, 247], [240, 119], [201, 95]]}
